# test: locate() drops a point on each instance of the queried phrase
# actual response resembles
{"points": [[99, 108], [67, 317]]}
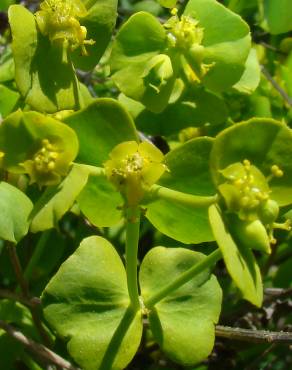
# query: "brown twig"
{"points": [[273, 82], [270, 47], [17, 269], [36, 348], [278, 292], [25, 291], [4, 293], [253, 336]]}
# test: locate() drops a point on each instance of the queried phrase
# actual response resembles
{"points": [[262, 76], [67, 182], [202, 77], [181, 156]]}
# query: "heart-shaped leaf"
{"points": [[100, 127], [15, 208], [239, 260], [183, 322], [188, 172], [87, 304]]}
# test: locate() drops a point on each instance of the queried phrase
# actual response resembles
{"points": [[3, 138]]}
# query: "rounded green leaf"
{"points": [[57, 200], [183, 323], [100, 202], [15, 208], [139, 41], [278, 15], [197, 108], [238, 259], [264, 142], [226, 41], [100, 127], [86, 303], [189, 173], [44, 75]]}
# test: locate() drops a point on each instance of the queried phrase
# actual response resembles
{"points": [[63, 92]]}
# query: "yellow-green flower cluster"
{"points": [[246, 193], [43, 167], [133, 168], [59, 20], [183, 32]]}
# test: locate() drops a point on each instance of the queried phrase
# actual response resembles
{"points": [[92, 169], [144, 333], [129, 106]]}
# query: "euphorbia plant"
{"points": [[217, 191]]}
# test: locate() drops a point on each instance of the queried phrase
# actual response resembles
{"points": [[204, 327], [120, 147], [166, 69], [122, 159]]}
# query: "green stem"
{"points": [[96, 171], [195, 201], [36, 254], [182, 279], [132, 240], [75, 82]]}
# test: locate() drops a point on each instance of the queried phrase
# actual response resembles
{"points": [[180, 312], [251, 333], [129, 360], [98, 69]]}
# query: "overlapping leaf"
{"points": [[183, 322], [188, 172]]}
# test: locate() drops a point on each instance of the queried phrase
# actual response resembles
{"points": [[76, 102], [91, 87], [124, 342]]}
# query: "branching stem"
{"points": [[36, 348], [25, 292], [253, 336], [195, 201]]}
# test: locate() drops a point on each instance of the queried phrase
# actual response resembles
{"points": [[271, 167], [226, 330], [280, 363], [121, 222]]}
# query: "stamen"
{"points": [[45, 159]]}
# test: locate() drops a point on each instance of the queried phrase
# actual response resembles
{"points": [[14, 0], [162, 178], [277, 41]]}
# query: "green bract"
{"points": [[37, 145], [271, 146], [245, 190], [252, 177], [206, 45], [133, 168]]}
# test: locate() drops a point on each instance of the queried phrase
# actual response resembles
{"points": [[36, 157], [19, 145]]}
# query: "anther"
{"points": [[276, 171], [174, 11], [51, 165]]}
